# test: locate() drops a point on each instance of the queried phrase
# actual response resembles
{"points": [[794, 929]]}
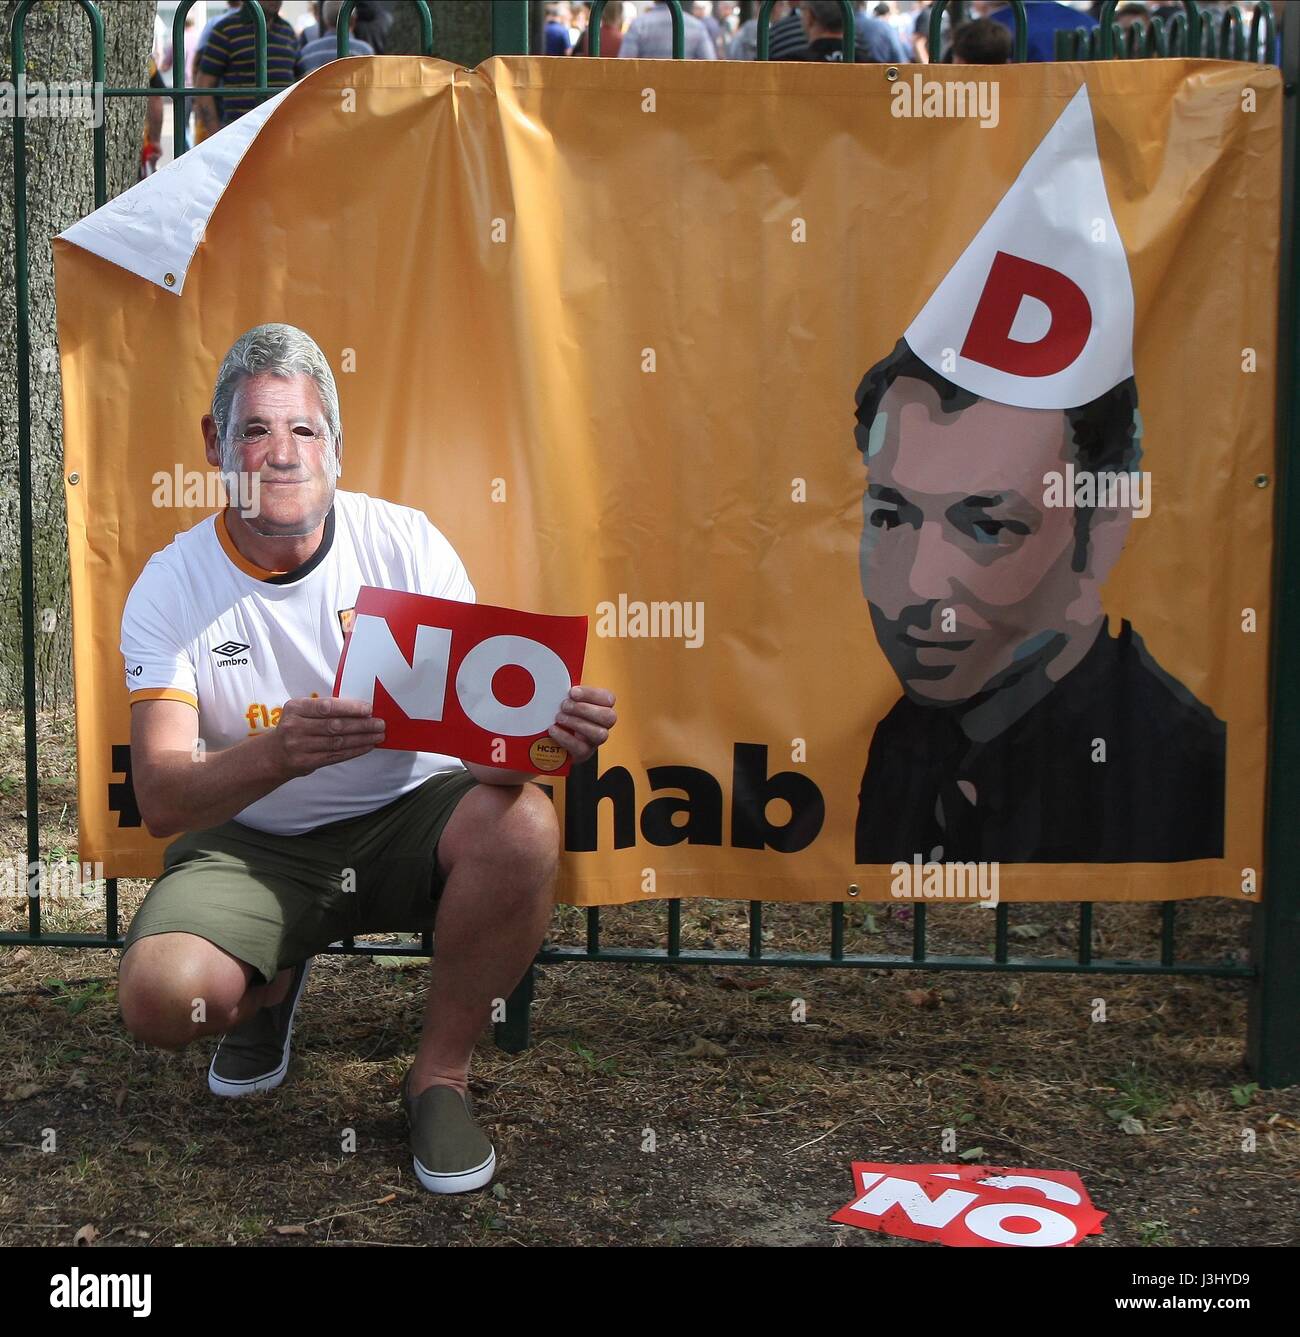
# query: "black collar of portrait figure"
{"points": [[1022, 693], [322, 551], [939, 732], [1104, 656], [1082, 691]]}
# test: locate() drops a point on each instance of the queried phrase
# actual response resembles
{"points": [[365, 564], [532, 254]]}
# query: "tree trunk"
{"points": [[462, 31], [60, 189]]}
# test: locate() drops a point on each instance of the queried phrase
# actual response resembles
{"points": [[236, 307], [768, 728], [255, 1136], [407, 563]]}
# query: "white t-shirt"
{"points": [[203, 624]]}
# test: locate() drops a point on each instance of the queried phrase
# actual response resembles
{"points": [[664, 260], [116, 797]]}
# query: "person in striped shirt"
{"points": [[229, 61]]}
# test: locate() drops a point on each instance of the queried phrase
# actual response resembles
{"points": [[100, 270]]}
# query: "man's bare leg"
{"points": [[499, 851], [161, 978]]}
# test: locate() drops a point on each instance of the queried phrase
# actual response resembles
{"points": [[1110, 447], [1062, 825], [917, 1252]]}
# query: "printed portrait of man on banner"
{"points": [[1004, 456]]}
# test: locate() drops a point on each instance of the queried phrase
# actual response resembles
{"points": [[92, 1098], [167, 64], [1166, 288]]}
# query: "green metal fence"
{"points": [[1273, 1039]]}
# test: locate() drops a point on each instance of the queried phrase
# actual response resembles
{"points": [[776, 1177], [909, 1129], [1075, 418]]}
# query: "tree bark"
{"points": [[60, 189]]}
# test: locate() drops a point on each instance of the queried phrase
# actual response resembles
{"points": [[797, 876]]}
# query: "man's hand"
{"points": [[584, 721], [318, 731], [182, 786], [583, 724]]}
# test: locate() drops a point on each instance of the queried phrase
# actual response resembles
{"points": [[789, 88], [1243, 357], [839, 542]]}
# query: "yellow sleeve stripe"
{"points": [[164, 694]]}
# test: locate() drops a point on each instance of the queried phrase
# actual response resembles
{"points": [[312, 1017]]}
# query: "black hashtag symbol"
{"points": [[121, 796]]}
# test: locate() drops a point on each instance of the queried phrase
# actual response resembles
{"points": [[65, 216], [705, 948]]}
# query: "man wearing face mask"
{"points": [[295, 829]]}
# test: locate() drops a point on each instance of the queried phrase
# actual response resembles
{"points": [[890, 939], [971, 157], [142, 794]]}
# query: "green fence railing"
{"points": [[1273, 1038]]}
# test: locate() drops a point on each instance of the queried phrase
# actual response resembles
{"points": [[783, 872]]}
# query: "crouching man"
{"points": [[294, 829]]}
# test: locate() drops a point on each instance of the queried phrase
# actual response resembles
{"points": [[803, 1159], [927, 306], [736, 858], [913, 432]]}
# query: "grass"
{"points": [[1137, 1095], [756, 1117]]}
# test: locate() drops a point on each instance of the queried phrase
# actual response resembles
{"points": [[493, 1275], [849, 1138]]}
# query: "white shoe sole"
{"points": [[463, 1182], [268, 1081]]}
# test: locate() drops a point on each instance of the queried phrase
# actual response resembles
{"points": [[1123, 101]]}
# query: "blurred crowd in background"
{"points": [[884, 30], [220, 52], [302, 36]]}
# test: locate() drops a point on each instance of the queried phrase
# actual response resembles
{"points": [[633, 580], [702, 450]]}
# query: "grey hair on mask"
{"points": [[276, 350]]}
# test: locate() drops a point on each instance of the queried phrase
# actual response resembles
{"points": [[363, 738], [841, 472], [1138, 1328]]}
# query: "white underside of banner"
{"points": [[155, 228]]}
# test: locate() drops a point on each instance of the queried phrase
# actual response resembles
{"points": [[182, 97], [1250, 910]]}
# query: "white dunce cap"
{"points": [[1038, 310]]}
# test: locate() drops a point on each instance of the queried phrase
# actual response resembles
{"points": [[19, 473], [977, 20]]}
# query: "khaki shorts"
{"points": [[273, 901]]}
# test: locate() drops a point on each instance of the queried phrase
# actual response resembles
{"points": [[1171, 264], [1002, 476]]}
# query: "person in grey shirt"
{"points": [[651, 37], [703, 10], [879, 37], [325, 48]]}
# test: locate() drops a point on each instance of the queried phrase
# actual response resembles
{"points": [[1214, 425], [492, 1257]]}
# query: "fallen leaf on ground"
{"points": [[24, 1092], [1024, 932], [703, 1048], [288, 1230]]}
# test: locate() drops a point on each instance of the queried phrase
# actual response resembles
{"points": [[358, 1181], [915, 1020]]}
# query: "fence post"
{"points": [[1273, 1023], [510, 27], [512, 1034]]}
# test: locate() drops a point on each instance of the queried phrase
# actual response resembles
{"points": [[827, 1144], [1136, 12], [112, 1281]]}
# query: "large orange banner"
{"points": [[905, 433]]}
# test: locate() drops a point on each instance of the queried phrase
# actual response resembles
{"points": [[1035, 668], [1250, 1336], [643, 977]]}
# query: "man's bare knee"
{"points": [[510, 827], [175, 987], [525, 831]]}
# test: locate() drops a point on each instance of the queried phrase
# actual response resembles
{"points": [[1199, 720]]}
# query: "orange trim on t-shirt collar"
{"points": [[242, 562]]}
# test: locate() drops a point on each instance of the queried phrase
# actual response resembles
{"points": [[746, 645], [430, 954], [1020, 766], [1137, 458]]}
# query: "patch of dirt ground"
{"points": [[656, 1105]]}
